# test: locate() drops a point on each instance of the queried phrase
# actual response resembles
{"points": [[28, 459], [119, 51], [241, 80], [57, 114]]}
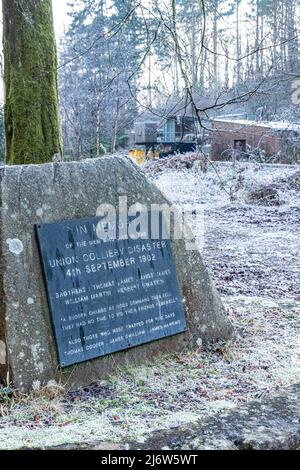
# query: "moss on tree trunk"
{"points": [[32, 128]]}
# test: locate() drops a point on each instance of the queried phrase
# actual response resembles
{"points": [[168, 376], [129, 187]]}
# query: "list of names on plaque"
{"points": [[107, 296]]}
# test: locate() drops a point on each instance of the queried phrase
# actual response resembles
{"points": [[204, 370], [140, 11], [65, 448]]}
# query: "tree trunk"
{"points": [[257, 41], [202, 69], [238, 45], [291, 35], [194, 52], [215, 45], [115, 128], [262, 62], [32, 128], [226, 82], [275, 37]]}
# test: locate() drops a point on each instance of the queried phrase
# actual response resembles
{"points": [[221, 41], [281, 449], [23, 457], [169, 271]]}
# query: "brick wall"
{"points": [[225, 134]]}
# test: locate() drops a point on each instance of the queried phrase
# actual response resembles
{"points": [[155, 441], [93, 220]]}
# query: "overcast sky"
{"points": [[60, 15]]}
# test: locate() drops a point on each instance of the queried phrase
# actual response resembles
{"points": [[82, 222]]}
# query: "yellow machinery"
{"points": [[153, 138], [140, 156]]}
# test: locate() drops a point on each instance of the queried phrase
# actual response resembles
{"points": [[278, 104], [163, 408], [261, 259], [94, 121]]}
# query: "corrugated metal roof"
{"points": [[273, 125]]}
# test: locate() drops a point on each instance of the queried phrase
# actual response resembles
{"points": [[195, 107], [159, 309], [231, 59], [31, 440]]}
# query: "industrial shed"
{"points": [[234, 139]]}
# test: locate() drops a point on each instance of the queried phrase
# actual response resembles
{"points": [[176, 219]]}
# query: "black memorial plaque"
{"points": [[107, 296]]}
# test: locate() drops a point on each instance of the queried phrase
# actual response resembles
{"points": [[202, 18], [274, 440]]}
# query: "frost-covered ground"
{"points": [[252, 253], [249, 249]]}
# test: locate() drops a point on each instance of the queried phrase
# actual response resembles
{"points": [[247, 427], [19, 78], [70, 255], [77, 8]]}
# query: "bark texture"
{"points": [[32, 128]]}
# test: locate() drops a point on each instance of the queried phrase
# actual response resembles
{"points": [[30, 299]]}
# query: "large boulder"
{"points": [[38, 194]]}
